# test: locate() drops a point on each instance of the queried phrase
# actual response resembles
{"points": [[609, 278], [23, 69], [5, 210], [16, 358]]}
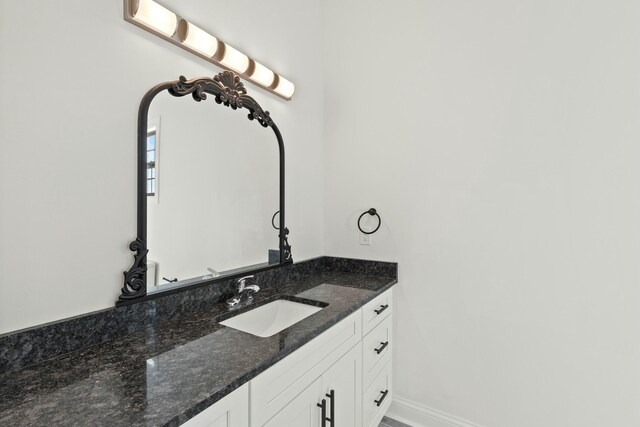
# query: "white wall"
{"points": [[499, 142], [73, 73]]}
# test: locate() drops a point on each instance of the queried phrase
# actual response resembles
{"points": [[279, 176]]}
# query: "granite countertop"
{"points": [[169, 372]]}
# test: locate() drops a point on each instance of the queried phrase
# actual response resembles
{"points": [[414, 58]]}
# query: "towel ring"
{"points": [[371, 212], [273, 224]]}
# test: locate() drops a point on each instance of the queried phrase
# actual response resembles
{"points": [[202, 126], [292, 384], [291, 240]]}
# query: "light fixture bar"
{"points": [[160, 21]]}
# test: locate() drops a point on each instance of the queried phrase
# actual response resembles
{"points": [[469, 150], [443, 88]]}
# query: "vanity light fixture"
{"points": [[160, 21]]}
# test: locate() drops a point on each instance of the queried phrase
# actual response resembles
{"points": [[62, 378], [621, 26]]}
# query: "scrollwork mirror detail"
{"points": [[229, 91]]}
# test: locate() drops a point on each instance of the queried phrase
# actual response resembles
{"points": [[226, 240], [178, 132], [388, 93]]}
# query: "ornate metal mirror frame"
{"points": [[229, 91]]}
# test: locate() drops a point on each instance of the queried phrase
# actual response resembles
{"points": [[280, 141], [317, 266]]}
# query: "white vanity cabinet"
{"points": [[230, 411], [346, 369], [352, 359], [275, 389], [339, 390]]}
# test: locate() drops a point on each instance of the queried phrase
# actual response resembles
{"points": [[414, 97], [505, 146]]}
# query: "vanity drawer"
{"points": [[377, 399], [376, 350], [273, 389], [375, 311]]}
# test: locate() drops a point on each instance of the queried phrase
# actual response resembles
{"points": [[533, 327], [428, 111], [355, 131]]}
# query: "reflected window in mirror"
{"points": [[153, 142], [151, 164]]}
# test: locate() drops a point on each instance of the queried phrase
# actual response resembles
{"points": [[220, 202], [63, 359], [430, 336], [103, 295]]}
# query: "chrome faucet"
{"points": [[245, 292]]}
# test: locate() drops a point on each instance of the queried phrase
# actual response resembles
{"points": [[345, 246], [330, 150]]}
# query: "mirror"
{"points": [[210, 187]]}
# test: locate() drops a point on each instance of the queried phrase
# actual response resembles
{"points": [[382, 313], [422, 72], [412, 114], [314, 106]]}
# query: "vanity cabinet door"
{"points": [[302, 411], [230, 411], [273, 389], [342, 387]]}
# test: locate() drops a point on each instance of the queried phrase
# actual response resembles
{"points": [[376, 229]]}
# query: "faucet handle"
{"points": [[242, 282]]}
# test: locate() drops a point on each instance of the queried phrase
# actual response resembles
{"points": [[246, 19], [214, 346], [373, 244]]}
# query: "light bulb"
{"points": [[262, 74], [152, 15], [285, 87], [197, 39], [235, 59]]}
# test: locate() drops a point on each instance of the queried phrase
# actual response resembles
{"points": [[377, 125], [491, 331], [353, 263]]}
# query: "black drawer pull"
{"points": [[382, 308], [384, 345], [384, 396], [323, 406], [332, 399]]}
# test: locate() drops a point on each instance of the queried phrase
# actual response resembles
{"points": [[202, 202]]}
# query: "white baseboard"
{"points": [[417, 415]]}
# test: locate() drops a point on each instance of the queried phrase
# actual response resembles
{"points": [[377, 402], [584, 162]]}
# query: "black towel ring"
{"points": [[273, 224], [371, 212]]}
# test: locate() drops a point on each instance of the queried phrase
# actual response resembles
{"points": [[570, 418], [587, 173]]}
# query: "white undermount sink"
{"points": [[271, 318]]}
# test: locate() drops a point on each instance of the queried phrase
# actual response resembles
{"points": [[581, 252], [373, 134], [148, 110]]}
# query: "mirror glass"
{"points": [[212, 190]]}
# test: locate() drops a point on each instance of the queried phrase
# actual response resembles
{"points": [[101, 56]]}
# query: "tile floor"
{"points": [[388, 422]]}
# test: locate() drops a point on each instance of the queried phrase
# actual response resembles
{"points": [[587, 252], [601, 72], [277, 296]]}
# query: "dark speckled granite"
{"points": [[35, 345], [175, 360], [351, 265]]}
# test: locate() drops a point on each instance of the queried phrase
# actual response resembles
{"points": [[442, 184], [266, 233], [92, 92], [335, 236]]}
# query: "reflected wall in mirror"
{"points": [[209, 184], [212, 190]]}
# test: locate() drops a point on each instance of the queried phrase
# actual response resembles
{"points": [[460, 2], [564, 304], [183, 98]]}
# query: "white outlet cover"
{"points": [[365, 239]]}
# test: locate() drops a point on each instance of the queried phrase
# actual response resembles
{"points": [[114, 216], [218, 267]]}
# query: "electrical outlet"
{"points": [[365, 239]]}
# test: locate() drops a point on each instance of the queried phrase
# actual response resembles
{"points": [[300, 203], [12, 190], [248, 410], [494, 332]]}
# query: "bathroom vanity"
{"points": [[340, 378], [183, 367]]}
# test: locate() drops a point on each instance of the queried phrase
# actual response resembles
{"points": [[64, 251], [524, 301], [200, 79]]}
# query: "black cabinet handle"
{"points": [[384, 396], [382, 308], [332, 417], [323, 406], [384, 345]]}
